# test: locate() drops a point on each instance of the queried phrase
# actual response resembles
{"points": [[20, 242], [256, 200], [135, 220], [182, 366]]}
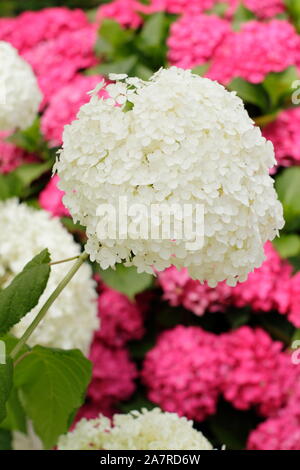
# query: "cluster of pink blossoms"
{"points": [[281, 432], [270, 287], [114, 373], [181, 372], [65, 105], [193, 39], [189, 368], [255, 371], [251, 53], [124, 12], [50, 199], [33, 27], [255, 51], [284, 133], [12, 156]]}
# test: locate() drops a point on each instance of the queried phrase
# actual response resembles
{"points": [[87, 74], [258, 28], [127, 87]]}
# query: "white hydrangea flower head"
{"points": [[20, 95], [183, 139], [72, 319], [145, 430]]}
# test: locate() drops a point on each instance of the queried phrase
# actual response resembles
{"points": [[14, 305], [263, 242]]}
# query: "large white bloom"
{"points": [[20, 95], [72, 318], [183, 139], [148, 430]]}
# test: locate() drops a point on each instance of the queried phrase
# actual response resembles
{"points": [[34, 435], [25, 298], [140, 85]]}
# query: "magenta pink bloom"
{"points": [[182, 6], [121, 319], [255, 371], [50, 199], [57, 61], [268, 287], [179, 289], [284, 133], [256, 50], [113, 376], [124, 12], [182, 374], [65, 105], [33, 27], [194, 38], [12, 156], [281, 432]]}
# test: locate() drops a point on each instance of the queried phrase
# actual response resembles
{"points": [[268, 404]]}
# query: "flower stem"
{"points": [[64, 260], [82, 258]]}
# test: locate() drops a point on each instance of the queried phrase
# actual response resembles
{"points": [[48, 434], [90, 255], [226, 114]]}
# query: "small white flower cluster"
{"points": [[146, 430], [72, 319], [177, 138], [20, 95]]}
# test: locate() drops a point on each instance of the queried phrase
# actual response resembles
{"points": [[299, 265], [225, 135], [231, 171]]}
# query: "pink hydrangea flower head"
{"points": [[12, 156], [255, 371], [194, 38], [124, 12], [51, 197], [294, 306], [181, 372], [182, 6], [32, 27], [284, 133], [179, 289], [57, 61], [121, 319], [256, 50], [268, 287], [113, 374], [65, 105]]}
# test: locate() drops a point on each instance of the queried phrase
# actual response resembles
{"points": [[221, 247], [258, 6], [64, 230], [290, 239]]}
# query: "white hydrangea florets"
{"points": [[146, 430], [72, 319], [183, 139], [20, 95]]}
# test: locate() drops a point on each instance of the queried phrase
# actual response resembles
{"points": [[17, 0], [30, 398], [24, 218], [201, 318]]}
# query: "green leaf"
{"points": [[16, 418], [287, 245], [201, 69], [153, 32], [126, 279], [29, 139], [5, 440], [218, 9], [10, 186], [6, 381], [120, 66], [31, 171], [249, 92], [242, 15], [24, 291], [143, 72], [52, 384], [278, 85], [293, 7], [113, 33], [288, 188]]}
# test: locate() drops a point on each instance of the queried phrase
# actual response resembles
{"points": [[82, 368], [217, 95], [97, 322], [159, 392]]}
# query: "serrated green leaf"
{"points": [[126, 279], [24, 291], [6, 382], [278, 85], [52, 383], [249, 92]]}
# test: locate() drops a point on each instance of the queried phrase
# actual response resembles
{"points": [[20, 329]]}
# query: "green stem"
{"points": [[63, 260], [82, 258]]}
